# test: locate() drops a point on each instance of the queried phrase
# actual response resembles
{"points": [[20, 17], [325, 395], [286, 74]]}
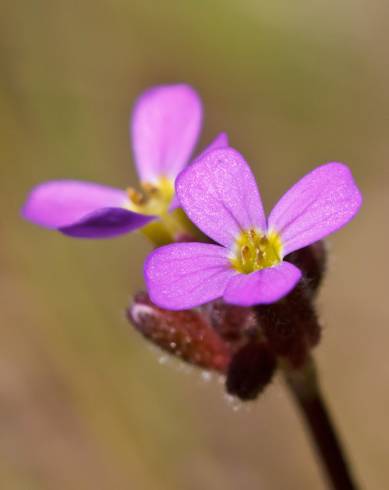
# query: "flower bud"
{"points": [[250, 371], [312, 260], [185, 334], [290, 326], [235, 324]]}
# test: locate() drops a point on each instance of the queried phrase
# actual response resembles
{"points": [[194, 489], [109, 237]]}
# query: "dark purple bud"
{"points": [[250, 371], [235, 324], [290, 326], [312, 260], [185, 334]]}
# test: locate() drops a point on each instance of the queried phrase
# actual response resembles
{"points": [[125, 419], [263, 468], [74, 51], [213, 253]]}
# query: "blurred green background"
{"points": [[84, 403]]}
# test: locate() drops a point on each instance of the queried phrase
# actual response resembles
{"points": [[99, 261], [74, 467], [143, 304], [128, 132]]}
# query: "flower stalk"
{"points": [[304, 387]]}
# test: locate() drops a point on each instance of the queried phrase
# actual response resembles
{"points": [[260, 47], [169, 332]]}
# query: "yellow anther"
{"points": [[155, 198], [253, 234], [135, 197], [245, 253], [149, 188], [259, 255]]}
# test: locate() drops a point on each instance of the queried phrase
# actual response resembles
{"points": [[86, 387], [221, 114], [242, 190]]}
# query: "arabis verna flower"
{"points": [[246, 265], [165, 126]]}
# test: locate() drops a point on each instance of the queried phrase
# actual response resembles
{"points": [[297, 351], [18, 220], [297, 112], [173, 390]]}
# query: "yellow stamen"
{"points": [[258, 256], [136, 197], [150, 188], [155, 198], [254, 251], [245, 254]]}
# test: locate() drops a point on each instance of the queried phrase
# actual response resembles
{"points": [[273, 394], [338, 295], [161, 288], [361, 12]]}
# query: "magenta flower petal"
{"points": [[81, 209], [62, 202], [165, 126], [221, 141], [320, 203], [262, 287], [185, 275], [219, 194], [106, 223]]}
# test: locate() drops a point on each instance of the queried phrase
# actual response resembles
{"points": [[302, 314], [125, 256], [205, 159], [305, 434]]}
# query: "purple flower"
{"points": [[246, 266], [165, 126]]}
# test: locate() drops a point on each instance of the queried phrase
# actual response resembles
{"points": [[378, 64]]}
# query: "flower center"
{"points": [[154, 199], [254, 251]]}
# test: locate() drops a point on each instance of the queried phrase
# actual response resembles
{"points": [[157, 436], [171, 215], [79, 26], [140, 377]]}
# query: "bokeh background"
{"points": [[84, 403]]}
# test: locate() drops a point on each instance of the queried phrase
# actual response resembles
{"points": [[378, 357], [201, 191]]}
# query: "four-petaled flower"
{"points": [[246, 267], [165, 127]]}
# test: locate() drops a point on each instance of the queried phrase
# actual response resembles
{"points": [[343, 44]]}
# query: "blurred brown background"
{"points": [[84, 403]]}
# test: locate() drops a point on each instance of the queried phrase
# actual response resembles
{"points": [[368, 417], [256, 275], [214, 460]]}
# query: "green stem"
{"points": [[304, 386]]}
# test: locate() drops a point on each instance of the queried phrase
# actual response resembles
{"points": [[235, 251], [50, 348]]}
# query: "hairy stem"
{"points": [[304, 386]]}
